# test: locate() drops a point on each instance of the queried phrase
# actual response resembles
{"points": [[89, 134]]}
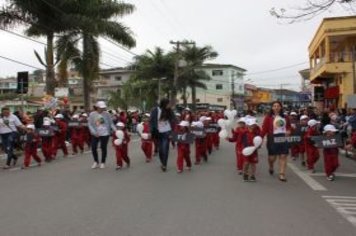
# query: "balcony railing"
{"points": [[336, 57]]}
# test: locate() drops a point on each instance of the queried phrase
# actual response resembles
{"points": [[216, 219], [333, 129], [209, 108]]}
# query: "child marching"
{"points": [[311, 150], [32, 141], [146, 140], [183, 148], [121, 139], [331, 155]]}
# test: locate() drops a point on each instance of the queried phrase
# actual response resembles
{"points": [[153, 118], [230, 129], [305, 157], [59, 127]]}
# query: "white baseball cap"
{"points": [[76, 116], [59, 116], [184, 123], [241, 120], [101, 104], [148, 115], [313, 122], [331, 128], [304, 117], [293, 113], [31, 126], [251, 122], [208, 118], [46, 123], [120, 124], [85, 115], [203, 118]]}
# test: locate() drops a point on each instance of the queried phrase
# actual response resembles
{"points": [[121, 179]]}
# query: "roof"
{"points": [[212, 65], [116, 70]]}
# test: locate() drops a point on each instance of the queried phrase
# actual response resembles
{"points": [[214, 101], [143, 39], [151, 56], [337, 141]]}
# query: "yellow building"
{"points": [[331, 57]]}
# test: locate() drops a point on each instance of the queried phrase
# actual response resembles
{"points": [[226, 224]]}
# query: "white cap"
{"points": [[208, 118], [184, 123], [101, 104], [30, 126], [251, 122], [303, 117], [59, 116], [203, 118], [178, 114], [293, 113], [313, 122], [199, 124], [46, 123], [330, 128], [85, 115], [148, 115], [187, 109], [76, 116], [241, 120], [120, 124]]}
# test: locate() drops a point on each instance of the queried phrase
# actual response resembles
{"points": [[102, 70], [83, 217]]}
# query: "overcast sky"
{"points": [[242, 31]]}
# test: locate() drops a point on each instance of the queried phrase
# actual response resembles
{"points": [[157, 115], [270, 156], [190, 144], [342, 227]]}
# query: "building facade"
{"points": [[332, 56]]}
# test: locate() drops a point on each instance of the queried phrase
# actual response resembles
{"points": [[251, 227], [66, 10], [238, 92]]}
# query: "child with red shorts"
{"points": [[331, 155], [121, 149], [239, 137], [183, 148], [32, 141]]}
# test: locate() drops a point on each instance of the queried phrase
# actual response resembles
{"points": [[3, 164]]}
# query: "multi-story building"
{"points": [[332, 56], [8, 85], [226, 87]]}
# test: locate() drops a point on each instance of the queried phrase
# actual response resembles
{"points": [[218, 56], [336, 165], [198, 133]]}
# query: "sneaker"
{"points": [[240, 172], [95, 165], [189, 168], [102, 166], [245, 178], [163, 168], [252, 178], [118, 167], [6, 167], [303, 163], [271, 172], [179, 171]]}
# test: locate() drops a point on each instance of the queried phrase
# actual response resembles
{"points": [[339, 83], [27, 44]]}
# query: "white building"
{"points": [[226, 85]]}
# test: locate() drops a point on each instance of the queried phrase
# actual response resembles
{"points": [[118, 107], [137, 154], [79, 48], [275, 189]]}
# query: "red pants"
{"points": [[331, 163], [200, 150], [216, 140], [59, 143], [47, 149], [239, 160], [183, 155], [77, 143], [147, 148], [31, 152], [312, 156], [121, 156], [295, 150]]}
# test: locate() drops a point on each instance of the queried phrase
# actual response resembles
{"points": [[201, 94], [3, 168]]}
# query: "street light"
{"points": [[159, 86]]}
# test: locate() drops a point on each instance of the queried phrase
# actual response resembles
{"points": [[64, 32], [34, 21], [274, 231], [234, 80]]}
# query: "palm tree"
{"points": [[192, 76], [41, 19]]}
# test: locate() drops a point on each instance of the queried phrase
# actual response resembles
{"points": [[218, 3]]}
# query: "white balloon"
{"points": [[228, 123], [119, 134], [118, 142], [248, 151], [145, 136], [223, 133], [257, 141], [221, 123], [139, 128], [234, 113], [226, 113]]}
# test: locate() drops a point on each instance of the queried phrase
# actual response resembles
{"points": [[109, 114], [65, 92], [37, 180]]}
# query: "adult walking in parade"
{"points": [[276, 126], [161, 124], [101, 127], [9, 124]]}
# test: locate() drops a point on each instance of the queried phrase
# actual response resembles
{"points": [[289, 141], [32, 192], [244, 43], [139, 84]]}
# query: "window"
{"points": [[197, 100], [218, 73], [118, 78], [219, 87], [220, 99]]}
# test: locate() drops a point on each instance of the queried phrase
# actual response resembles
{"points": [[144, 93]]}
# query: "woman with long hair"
{"points": [[276, 126], [161, 124]]}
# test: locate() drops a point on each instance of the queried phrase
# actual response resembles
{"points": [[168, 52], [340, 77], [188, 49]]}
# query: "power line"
{"points": [[23, 36], [120, 46], [278, 69], [19, 62]]}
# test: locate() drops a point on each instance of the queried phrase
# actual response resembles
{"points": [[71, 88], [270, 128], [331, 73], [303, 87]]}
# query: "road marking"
{"points": [[336, 174], [313, 184], [345, 206]]}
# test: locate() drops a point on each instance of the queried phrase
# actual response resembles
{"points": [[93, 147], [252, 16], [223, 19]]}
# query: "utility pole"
{"points": [[177, 44], [353, 69], [233, 104], [159, 87]]}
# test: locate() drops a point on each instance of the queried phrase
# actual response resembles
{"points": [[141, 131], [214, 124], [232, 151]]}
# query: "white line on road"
{"points": [[313, 184], [347, 210], [336, 174]]}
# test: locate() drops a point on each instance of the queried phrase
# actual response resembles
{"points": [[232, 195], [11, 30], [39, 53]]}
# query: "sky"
{"points": [[242, 31]]}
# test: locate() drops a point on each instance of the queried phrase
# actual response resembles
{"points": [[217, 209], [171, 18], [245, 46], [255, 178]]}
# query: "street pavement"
{"points": [[66, 197]]}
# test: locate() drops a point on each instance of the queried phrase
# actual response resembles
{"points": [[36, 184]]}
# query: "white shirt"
{"points": [[9, 124], [163, 125]]}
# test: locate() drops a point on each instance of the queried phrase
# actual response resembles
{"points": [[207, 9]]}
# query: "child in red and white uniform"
{"points": [[311, 150], [31, 144], [294, 129], [146, 140], [183, 148], [47, 141], [86, 137], [200, 145], [251, 161], [77, 134], [331, 155], [60, 136], [239, 136], [209, 136], [303, 129], [122, 150]]}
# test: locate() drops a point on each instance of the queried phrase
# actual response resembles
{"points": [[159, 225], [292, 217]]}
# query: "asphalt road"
{"points": [[68, 198]]}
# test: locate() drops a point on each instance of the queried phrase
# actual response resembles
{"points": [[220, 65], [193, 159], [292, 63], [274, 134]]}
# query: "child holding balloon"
{"points": [[121, 140]]}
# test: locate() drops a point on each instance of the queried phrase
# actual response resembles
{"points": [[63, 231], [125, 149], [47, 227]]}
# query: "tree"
{"points": [[310, 9], [193, 77]]}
